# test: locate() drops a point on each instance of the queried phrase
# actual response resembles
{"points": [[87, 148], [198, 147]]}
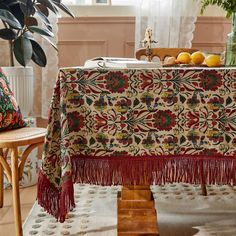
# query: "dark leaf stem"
{"points": [[10, 47]]}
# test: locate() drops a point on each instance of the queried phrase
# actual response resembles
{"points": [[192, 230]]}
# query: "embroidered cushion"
{"points": [[10, 114]]}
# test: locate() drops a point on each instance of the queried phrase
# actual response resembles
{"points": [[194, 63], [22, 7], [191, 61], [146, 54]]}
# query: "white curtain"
{"points": [[172, 21]]}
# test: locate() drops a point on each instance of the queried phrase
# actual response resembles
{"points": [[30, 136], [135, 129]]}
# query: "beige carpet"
{"points": [[182, 211]]}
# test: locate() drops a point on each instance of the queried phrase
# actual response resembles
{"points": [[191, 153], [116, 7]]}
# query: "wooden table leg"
{"points": [[136, 212], [203, 180], [16, 192], [204, 190]]}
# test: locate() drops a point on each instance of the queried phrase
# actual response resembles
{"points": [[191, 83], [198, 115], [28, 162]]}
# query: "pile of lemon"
{"points": [[196, 58]]}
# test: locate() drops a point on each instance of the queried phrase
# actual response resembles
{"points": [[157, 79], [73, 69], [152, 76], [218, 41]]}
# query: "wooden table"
{"points": [[137, 127]]}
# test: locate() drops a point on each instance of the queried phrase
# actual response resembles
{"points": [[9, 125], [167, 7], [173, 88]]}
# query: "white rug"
{"points": [[182, 211]]}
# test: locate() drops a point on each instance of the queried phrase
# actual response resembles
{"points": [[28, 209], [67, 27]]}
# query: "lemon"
{"points": [[212, 60], [184, 58], [197, 58]]}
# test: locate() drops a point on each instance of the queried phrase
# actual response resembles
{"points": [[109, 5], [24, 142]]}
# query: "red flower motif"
{"points": [[172, 140], [116, 82], [193, 119], [80, 143], [124, 137], [148, 142], [147, 80], [170, 143], [169, 96], [210, 80], [234, 142], [193, 102], [164, 120], [193, 136], [216, 103], [147, 98], [101, 121], [123, 105], [75, 121], [102, 138], [215, 135], [100, 104], [76, 101]]}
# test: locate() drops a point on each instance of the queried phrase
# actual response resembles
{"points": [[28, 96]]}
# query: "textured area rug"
{"points": [[182, 211]]}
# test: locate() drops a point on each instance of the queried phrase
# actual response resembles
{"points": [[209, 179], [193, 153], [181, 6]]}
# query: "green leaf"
{"points": [[228, 100], [38, 55], [31, 21], [227, 138], [182, 139], [17, 12], [64, 8], [55, 47], [136, 102], [7, 34], [182, 98], [137, 139], [42, 9], [89, 101], [49, 5], [42, 31], [58, 181], [27, 8], [28, 35], [43, 18], [92, 141], [228, 5], [22, 50], [10, 19]]}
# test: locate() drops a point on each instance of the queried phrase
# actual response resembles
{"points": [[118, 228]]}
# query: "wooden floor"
{"points": [[28, 197]]}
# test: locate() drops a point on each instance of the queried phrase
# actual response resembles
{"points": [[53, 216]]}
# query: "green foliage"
{"points": [[228, 5], [20, 26]]}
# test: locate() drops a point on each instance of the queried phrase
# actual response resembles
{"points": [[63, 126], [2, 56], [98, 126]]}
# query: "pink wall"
{"points": [[210, 33], [88, 37]]}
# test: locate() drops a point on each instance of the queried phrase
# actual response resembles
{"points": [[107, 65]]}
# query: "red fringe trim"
{"points": [[57, 202], [154, 170], [128, 170]]}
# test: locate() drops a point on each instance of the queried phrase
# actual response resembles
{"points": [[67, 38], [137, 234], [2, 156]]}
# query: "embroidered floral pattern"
{"points": [[10, 115], [210, 80], [141, 112], [164, 120], [116, 82]]}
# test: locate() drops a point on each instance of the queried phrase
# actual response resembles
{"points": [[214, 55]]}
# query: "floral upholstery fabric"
{"points": [[10, 114]]}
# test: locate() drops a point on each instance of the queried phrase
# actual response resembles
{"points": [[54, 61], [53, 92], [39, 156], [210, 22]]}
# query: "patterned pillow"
{"points": [[10, 115]]}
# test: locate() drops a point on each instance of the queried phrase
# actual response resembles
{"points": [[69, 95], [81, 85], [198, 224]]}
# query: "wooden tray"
{"points": [[189, 65]]}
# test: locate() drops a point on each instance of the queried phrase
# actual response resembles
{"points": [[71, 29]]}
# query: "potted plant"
{"points": [[230, 7], [20, 25], [22, 21]]}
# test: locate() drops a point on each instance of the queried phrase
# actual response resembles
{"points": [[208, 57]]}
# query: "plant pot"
{"points": [[230, 55], [21, 81]]}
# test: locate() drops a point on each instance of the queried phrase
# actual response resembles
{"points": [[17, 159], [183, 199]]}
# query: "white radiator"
{"points": [[21, 81]]}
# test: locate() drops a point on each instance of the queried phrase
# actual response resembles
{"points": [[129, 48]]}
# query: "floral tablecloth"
{"points": [[136, 126]]}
